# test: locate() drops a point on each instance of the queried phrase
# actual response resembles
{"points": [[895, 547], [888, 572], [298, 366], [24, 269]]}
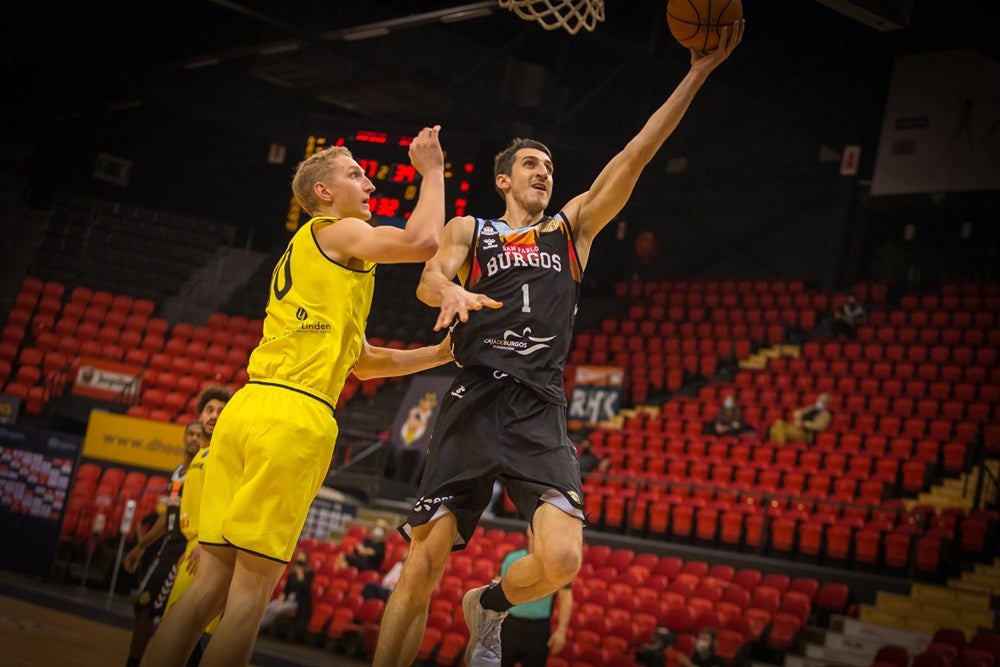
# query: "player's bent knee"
{"points": [[562, 564], [422, 572]]}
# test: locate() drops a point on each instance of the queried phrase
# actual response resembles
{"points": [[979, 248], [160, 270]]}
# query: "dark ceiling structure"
{"points": [[470, 65], [809, 79]]}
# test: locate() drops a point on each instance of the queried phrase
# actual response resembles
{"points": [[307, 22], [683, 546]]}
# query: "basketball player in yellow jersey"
{"points": [[274, 442], [210, 403]]}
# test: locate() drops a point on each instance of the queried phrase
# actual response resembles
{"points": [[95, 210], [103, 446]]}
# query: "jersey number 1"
{"points": [[525, 299]]}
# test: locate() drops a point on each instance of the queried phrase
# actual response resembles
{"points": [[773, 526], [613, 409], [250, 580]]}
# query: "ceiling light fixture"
{"points": [[275, 49], [381, 28], [204, 62], [365, 33]]}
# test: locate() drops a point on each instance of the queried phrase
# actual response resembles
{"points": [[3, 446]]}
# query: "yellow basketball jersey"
{"points": [[315, 319], [194, 482]]}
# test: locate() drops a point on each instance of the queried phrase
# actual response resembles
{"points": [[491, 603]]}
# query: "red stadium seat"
{"points": [[748, 579], [783, 532], [973, 536], [682, 521], [929, 552], [986, 640], [784, 631], [974, 657], [807, 586], [753, 525], [914, 476], [838, 543], [867, 547], [810, 539]]}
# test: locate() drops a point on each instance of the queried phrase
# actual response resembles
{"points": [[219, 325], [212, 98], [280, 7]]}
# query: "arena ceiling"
{"points": [[471, 66]]}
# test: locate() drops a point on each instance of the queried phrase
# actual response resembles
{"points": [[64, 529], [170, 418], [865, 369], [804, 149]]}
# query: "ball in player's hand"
{"points": [[698, 24]]}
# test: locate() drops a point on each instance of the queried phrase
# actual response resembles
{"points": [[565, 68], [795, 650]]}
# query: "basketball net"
{"points": [[554, 14]]}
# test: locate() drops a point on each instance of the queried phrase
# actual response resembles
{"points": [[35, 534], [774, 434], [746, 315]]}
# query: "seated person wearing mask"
{"points": [[729, 420], [295, 597], [369, 554], [806, 422], [704, 651]]}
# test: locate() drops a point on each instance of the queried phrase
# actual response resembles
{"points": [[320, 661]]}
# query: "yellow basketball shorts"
{"points": [[270, 452], [183, 582]]}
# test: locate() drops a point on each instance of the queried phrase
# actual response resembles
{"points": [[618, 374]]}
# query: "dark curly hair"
{"points": [[214, 393]]}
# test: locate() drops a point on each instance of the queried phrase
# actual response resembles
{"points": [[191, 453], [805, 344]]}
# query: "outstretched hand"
{"points": [[459, 301], [425, 150], [729, 39]]}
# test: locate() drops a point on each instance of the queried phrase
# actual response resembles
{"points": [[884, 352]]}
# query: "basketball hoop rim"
{"points": [[570, 15]]}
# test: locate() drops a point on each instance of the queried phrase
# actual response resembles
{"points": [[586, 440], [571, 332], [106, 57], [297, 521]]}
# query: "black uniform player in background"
{"points": [[504, 417], [154, 589]]}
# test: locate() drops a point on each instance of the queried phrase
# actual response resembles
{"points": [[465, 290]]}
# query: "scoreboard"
{"points": [[385, 159]]}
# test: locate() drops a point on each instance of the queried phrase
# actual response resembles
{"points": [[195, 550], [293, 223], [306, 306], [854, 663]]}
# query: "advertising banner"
{"points": [[328, 516], [412, 426], [36, 467], [10, 407], [108, 380], [133, 441], [939, 129], [596, 393]]}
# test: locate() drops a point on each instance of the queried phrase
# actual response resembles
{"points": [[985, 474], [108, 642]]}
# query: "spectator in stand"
{"points": [[848, 318], [296, 596], [704, 651], [729, 420], [806, 422], [369, 554], [591, 462], [383, 589], [653, 654]]}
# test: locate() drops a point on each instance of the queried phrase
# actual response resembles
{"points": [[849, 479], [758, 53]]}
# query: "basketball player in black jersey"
{"points": [[154, 589], [504, 417]]}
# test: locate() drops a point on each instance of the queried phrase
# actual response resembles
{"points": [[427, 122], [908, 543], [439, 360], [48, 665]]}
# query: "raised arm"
{"points": [[437, 286], [590, 211], [418, 241]]}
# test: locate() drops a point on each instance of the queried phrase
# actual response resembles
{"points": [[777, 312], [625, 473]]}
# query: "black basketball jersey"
{"points": [[173, 501], [535, 272]]}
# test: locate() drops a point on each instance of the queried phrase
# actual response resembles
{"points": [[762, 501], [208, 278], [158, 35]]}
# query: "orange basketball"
{"points": [[698, 24]]}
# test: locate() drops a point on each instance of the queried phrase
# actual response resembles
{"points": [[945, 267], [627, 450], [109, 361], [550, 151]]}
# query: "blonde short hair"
{"points": [[315, 168]]}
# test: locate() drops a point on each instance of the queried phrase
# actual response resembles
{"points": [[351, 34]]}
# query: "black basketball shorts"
{"points": [[154, 590], [493, 427]]}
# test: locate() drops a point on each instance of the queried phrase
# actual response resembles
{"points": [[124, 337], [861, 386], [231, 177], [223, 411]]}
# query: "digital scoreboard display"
{"points": [[385, 159]]}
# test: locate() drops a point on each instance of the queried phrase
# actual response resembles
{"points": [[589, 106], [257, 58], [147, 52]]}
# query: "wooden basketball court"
{"points": [[48, 625], [34, 635]]}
